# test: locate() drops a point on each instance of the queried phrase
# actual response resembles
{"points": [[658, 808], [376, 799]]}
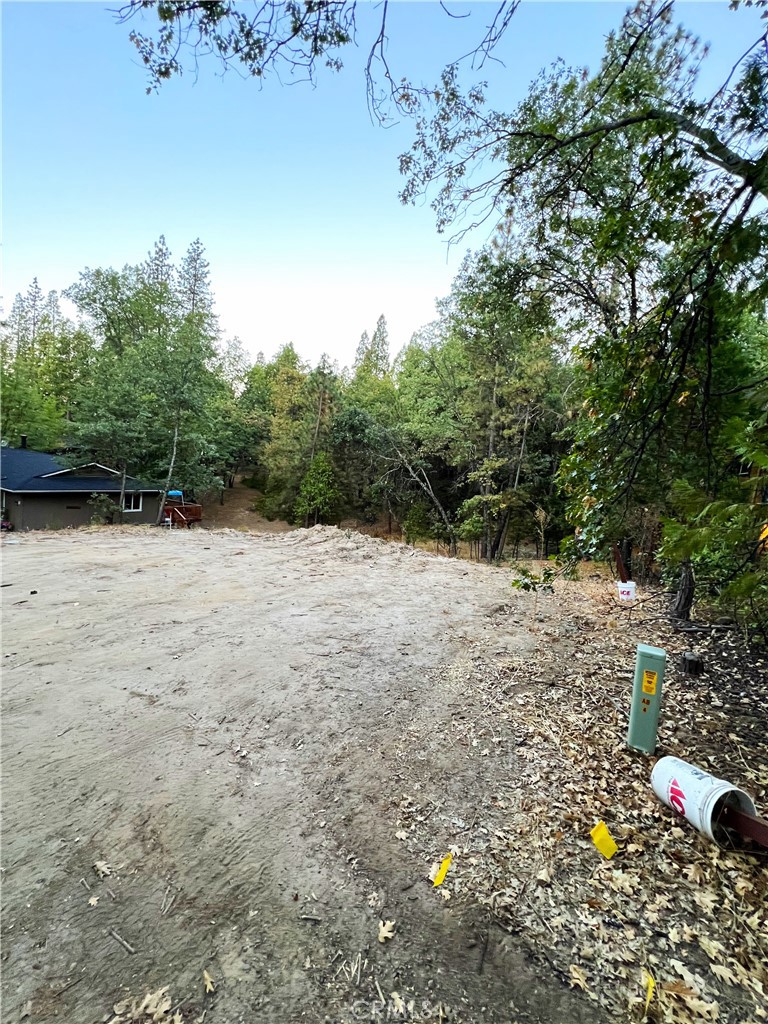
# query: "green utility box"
{"points": [[646, 698]]}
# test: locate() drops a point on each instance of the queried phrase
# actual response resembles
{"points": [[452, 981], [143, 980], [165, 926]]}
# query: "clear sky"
{"points": [[292, 190]]}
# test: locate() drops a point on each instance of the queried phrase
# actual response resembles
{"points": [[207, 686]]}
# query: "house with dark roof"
{"points": [[37, 492]]}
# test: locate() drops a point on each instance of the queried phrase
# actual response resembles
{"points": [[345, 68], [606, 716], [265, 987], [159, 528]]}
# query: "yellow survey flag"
{"points": [[442, 870], [650, 988], [603, 840]]}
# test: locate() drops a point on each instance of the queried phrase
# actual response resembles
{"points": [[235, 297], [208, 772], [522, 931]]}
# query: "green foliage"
{"points": [[527, 580], [26, 409], [277, 35], [105, 509], [419, 523], [472, 527], [598, 367], [318, 494], [722, 541]]}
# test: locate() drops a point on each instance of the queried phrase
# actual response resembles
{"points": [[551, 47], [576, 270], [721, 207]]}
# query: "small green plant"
{"points": [[319, 494], [418, 523], [533, 581], [105, 509]]}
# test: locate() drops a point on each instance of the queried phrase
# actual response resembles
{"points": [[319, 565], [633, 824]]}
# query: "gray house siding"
{"points": [[62, 511]]}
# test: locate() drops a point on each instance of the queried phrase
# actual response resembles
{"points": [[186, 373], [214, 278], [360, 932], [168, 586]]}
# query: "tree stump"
{"points": [[692, 664], [683, 600]]}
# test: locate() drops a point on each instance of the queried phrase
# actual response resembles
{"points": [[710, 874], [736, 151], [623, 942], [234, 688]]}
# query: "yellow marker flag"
{"points": [[650, 988], [442, 870], [603, 840]]}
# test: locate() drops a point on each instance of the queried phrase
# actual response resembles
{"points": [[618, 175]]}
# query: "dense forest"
{"points": [[597, 375]]}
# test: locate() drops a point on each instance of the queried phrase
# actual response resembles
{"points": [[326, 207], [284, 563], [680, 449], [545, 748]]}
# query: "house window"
{"points": [[132, 502]]}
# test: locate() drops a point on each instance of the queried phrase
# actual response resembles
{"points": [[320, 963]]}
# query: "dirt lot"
{"points": [[265, 742]]}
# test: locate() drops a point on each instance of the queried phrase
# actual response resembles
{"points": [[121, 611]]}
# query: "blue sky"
{"points": [[292, 190]]}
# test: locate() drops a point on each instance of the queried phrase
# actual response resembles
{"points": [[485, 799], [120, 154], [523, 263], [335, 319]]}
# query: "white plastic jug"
{"points": [[626, 591], [697, 795]]}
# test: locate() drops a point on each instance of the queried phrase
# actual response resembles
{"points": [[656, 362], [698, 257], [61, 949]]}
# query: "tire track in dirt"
{"points": [[323, 654]]}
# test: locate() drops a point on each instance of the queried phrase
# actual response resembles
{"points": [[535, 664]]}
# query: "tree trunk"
{"points": [[121, 502], [167, 487], [625, 550], [498, 541], [426, 486], [522, 449], [317, 423], [683, 600], [486, 489]]}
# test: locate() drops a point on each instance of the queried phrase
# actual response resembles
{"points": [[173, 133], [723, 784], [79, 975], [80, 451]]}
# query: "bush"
{"points": [[105, 509]]}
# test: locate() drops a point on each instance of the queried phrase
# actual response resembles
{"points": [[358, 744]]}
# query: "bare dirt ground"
{"points": [[238, 513], [237, 754]]}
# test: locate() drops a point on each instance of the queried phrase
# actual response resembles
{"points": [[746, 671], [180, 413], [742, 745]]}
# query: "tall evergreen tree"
{"points": [[194, 282]]}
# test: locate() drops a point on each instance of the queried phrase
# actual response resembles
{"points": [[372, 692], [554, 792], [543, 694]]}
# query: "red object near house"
{"points": [[178, 512]]}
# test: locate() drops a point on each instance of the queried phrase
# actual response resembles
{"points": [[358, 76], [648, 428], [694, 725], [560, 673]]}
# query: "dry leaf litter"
{"points": [[670, 905]]}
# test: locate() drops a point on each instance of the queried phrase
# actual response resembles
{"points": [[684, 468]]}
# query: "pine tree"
{"points": [[158, 267], [379, 350], [35, 305], [362, 349], [318, 495], [16, 327], [194, 283]]}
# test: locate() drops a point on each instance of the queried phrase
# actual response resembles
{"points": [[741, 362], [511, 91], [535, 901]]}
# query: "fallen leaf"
{"points": [[578, 978], [695, 873], [102, 869], [724, 973], [685, 974], [707, 900], [678, 988], [402, 834], [210, 984], [621, 882], [153, 1007], [155, 1004], [94, 901], [714, 950], [386, 930], [705, 1011], [742, 887]]}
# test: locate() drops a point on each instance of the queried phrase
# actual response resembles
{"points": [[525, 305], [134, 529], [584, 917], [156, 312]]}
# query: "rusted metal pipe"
{"points": [[747, 825], [620, 564]]}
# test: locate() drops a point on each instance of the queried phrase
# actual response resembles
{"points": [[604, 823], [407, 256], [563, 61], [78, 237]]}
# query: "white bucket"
{"points": [[626, 591], [697, 795]]}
